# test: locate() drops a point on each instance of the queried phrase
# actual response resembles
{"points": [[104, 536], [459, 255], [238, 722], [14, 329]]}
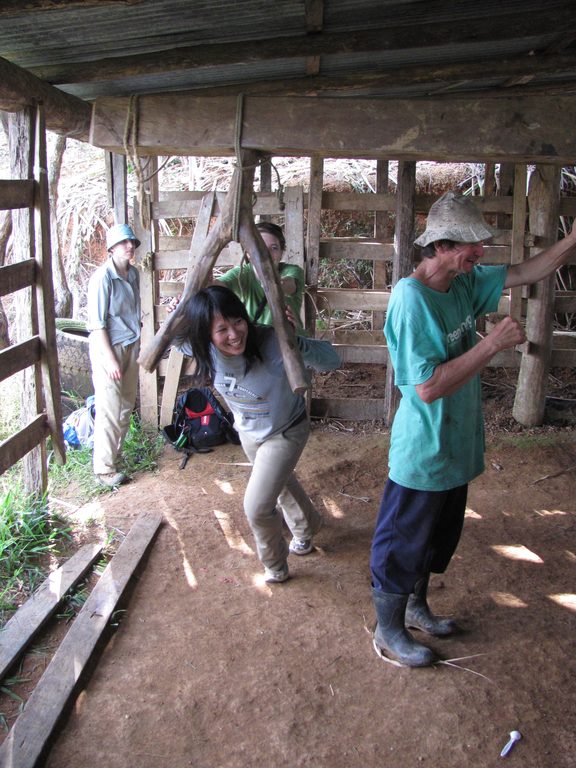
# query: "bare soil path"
{"points": [[212, 668]]}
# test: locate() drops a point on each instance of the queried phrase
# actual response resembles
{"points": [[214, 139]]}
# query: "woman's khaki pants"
{"points": [[273, 483], [114, 402]]}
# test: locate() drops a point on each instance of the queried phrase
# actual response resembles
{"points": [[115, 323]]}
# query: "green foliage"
{"points": [[72, 603], [29, 532], [142, 447]]}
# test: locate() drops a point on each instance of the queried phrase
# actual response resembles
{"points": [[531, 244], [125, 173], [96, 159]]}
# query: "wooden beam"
{"points": [[16, 193], [403, 259], [65, 114], [176, 358], [530, 400], [30, 734], [31, 617], [19, 356], [14, 277], [313, 230], [529, 130], [353, 409], [356, 248], [145, 260], [363, 353], [518, 231], [18, 445], [353, 298]]}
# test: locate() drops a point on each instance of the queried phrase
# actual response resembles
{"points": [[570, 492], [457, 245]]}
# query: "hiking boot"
{"points": [[301, 546], [111, 479], [276, 577]]}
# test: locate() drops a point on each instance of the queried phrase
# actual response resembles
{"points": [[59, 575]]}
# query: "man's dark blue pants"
{"points": [[416, 533]]}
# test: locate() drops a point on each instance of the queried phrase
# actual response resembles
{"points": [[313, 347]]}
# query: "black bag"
{"points": [[199, 423]]}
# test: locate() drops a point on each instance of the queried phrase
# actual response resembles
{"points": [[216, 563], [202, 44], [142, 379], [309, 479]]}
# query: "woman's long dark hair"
{"points": [[200, 312]]}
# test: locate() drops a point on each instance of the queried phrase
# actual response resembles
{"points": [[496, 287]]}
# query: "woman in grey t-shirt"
{"points": [[244, 363]]}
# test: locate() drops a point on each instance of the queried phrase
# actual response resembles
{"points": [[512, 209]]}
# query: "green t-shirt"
{"points": [[437, 446], [245, 284]]}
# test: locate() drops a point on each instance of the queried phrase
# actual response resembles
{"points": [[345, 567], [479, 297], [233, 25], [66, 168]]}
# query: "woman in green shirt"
{"points": [[244, 282]]}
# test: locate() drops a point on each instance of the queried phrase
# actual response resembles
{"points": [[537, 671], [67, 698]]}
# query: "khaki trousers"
{"points": [[114, 403], [273, 482]]}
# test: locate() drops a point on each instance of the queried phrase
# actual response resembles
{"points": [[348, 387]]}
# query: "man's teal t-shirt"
{"points": [[437, 446]]}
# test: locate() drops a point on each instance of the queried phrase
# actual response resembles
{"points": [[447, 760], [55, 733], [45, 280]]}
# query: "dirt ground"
{"points": [[212, 668]]}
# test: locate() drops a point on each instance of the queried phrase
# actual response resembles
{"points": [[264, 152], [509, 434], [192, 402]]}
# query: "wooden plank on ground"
{"points": [[28, 739], [31, 617]]}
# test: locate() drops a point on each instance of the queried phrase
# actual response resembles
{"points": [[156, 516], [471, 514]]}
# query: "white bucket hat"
{"points": [[455, 217]]}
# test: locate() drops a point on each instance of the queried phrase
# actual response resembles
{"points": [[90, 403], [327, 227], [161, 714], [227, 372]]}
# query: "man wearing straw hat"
{"points": [[437, 439]]}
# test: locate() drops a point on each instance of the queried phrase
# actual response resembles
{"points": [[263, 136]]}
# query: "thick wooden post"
{"points": [[543, 202], [148, 236], [313, 237], [117, 183], [381, 233], [403, 260], [518, 232]]}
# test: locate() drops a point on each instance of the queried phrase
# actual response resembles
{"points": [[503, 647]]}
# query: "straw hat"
{"points": [[455, 217]]}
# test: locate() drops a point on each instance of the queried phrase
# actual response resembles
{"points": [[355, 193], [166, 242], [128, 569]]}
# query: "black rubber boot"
{"points": [[391, 635], [419, 615]]}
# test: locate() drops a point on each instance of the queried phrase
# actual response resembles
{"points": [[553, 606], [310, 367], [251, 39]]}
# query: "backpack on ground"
{"points": [[78, 428], [199, 423]]}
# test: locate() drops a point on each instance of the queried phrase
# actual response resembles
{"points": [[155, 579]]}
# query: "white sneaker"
{"points": [[276, 577], [111, 479], [301, 546]]}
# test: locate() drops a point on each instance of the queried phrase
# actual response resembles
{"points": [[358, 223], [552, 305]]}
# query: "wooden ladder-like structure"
{"points": [[34, 273]]}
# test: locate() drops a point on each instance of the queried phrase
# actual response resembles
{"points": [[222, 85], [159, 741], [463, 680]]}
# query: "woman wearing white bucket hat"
{"points": [[437, 440], [114, 323]]}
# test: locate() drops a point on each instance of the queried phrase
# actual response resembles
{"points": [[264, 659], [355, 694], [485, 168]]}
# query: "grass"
{"points": [[31, 531], [142, 448], [29, 534]]}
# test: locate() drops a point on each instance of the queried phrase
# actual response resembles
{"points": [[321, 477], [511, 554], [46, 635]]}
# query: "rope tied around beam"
{"points": [[238, 177], [130, 143]]}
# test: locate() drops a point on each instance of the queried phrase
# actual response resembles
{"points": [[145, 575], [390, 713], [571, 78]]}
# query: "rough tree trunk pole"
{"points": [[221, 234], [62, 293], [5, 232], [403, 260], [530, 400]]}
